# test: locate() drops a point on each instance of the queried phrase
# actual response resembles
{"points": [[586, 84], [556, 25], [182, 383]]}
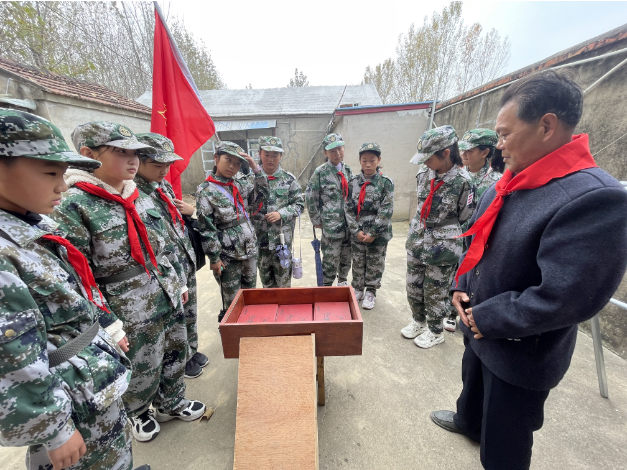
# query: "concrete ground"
{"points": [[378, 404]]}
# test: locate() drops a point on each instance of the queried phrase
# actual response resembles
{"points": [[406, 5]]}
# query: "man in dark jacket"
{"points": [[548, 249]]}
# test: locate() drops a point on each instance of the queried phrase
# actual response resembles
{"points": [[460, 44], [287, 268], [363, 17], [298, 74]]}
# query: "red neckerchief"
{"points": [[426, 207], [174, 213], [344, 184], [270, 177], [133, 222], [569, 158], [362, 197], [236, 195], [80, 264]]}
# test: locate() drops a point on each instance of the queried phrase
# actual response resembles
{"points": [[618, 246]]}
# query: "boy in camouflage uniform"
{"points": [[122, 234], [368, 209], [277, 214], [326, 192], [61, 375], [477, 147], [228, 236], [433, 250], [153, 167]]}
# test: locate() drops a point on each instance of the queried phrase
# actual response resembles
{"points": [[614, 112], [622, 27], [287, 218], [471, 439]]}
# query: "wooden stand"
{"points": [[277, 424], [320, 377]]}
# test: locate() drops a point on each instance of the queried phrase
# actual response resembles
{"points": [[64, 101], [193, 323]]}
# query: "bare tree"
{"points": [[439, 59], [110, 43], [300, 79]]}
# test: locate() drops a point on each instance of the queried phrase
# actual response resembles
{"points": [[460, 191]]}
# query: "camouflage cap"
{"points": [[165, 147], [97, 133], [370, 147], [332, 141], [271, 144], [231, 148], [26, 135], [433, 141], [475, 137]]}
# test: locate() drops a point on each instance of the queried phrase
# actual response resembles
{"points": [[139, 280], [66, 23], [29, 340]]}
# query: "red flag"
{"points": [[177, 111]]}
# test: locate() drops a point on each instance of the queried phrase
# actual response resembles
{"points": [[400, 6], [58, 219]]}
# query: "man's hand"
{"points": [[123, 343], [69, 453], [458, 299], [185, 297], [473, 325], [272, 217], [183, 207], [361, 236], [217, 268], [250, 160]]}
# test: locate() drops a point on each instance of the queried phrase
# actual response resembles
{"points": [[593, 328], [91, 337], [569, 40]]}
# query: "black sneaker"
{"points": [[145, 427], [193, 411], [192, 369], [201, 359]]}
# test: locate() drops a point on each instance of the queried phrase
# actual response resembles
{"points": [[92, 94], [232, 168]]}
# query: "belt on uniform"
{"points": [[129, 273], [73, 346], [234, 223], [444, 223], [363, 213]]}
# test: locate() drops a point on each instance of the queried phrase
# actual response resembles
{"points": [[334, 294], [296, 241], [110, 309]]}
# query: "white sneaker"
{"points": [[413, 329], [368, 302], [427, 339], [359, 295], [450, 324], [342, 284], [193, 411], [145, 427]]}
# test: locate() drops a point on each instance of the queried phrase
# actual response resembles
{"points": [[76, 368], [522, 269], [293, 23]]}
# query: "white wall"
{"points": [[397, 132]]}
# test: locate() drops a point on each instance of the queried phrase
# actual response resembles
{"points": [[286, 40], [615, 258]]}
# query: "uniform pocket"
{"points": [[55, 294], [19, 339]]}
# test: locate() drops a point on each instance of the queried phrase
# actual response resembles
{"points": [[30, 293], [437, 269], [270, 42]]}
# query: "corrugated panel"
{"points": [[222, 126]]}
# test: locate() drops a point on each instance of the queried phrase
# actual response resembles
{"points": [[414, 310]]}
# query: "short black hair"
{"points": [[545, 92], [8, 161]]}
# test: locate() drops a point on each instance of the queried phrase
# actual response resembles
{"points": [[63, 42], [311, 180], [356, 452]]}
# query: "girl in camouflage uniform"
{"points": [[368, 210], [121, 232], [61, 375], [477, 147], [433, 250], [153, 167], [228, 236], [277, 215]]}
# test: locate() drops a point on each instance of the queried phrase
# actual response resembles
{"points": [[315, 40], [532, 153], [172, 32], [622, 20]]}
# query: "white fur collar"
{"points": [[73, 176]]}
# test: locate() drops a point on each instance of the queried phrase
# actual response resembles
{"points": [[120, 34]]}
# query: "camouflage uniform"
{"points": [[177, 233], [433, 250], [43, 306], [325, 203], [285, 196], [148, 305], [374, 219], [222, 239], [486, 176]]}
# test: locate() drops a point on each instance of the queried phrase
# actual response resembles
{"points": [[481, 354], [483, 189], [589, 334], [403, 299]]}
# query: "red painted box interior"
{"points": [[297, 312]]}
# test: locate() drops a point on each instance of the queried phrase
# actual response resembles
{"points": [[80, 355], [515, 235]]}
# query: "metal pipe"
{"points": [[622, 305], [597, 343], [609, 72]]}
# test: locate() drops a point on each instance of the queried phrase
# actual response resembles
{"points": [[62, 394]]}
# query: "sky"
{"points": [[260, 43]]}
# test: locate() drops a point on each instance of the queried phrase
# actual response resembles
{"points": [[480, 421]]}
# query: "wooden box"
{"points": [[333, 338]]}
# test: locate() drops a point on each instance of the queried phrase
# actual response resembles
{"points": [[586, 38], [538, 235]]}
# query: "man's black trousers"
{"points": [[501, 416]]}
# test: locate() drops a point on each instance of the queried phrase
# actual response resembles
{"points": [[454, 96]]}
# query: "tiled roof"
{"points": [[66, 86], [281, 101], [572, 54]]}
